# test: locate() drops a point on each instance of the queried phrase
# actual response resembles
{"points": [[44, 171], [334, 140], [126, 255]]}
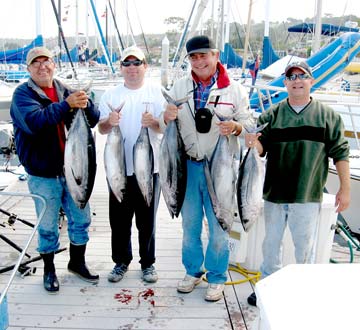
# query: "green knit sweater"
{"points": [[298, 147]]}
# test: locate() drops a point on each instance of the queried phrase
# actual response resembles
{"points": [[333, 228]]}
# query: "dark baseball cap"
{"points": [[199, 44], [303, 66]]}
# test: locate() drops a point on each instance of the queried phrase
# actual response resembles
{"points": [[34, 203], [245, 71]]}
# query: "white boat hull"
{"points": [[352, 214]]}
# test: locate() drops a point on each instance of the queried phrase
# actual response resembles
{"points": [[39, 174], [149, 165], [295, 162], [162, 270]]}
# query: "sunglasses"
{"points": [[37, 64], [301, 76], [128, 63]]}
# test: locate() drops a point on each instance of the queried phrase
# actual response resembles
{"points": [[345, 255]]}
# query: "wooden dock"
{"points": [[129, 304]]}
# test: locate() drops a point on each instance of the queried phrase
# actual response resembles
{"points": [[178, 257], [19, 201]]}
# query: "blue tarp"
{"points": [[269, 55], [326, 29], [18, 56], [74, 55], [231, 59], [102, 60]]}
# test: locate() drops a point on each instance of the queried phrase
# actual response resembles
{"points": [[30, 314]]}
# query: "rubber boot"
{"points": [[51, 283], [78, 266]]}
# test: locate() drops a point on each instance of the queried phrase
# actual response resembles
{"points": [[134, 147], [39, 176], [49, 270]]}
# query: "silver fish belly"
{"points": [[114, 162], [250, 188], [144, 164], [80, 160]]}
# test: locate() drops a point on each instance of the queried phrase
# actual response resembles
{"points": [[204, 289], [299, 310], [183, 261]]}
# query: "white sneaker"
{"points": [[149, 274], [188, 283], [214, 292]]}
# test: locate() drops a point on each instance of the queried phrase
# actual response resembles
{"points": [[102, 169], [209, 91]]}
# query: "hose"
{"points": [[345, 234], [250, 276]]}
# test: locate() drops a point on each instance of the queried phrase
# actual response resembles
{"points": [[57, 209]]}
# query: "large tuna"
{"points": [[250, 188], [172, 168], [114, 160], [250, 185], [80, 160], [172, 164], [221, 179], [144, 164]]}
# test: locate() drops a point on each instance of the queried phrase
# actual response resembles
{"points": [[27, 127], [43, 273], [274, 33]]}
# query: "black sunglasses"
{"points": [[301, 76], [135, 62]]}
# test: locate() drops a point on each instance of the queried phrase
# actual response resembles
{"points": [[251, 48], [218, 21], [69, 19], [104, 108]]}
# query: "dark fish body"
{"points": [[144, 164], [221, 179], [172, 169], [80, 160], [250, 188], [114, 162]]}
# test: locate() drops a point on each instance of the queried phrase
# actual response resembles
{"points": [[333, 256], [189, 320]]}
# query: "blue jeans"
{"points": [[197, 201], [57, 195], [302, 220]]}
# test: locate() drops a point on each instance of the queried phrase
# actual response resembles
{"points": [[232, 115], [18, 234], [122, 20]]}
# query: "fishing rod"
{"points": [[63, 37], [116, 27]]}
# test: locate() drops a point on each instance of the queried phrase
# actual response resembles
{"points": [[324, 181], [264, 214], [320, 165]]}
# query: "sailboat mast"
{"points": [[63, 37], [38, 17], [247, 37], [77, 23], [318, 27], [104, 46]]}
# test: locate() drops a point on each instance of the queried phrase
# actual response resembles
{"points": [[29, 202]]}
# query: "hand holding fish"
{"points": [[251, 139], [147, 119], [114, 118], [170, 113], [228, 127], [77, 100], [115, 114]]}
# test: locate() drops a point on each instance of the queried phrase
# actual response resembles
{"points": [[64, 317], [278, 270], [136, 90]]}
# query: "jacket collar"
{"points": [[223, 79]]}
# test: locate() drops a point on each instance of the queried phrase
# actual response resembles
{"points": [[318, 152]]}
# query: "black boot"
{"points": [[51, 283], [77, 264]]}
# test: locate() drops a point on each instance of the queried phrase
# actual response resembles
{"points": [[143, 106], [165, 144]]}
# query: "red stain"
{"points": [[147, 293], [123, 297]]}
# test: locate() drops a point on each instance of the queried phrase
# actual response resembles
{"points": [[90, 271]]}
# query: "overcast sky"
{"points": [[18, 17]]}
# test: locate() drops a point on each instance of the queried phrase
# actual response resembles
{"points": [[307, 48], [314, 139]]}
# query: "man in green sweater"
{"points": [[301, 135]]}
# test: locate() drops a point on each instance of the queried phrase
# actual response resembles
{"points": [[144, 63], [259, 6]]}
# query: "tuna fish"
{"points": [[80, 160], [221, 179], [172, 163], [250, 185], [114, 160], [144, 164], [250, 188], [172, 168]]}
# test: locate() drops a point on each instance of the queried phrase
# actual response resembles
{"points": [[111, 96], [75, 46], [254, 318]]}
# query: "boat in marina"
{"points": [[6, 92]]}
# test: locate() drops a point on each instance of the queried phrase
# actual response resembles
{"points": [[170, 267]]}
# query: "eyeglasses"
{"points": [[37, 64], [301, 76], [128, 63]]}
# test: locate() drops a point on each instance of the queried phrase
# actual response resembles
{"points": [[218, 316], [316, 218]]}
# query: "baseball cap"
{"points": [[303, 66], [37, 52], [199, 44], [133, 51]]}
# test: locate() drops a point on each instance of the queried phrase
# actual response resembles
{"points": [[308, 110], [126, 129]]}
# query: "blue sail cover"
{"points": [[74, 55], [231, 59], [325, 64], [269, 55], [326, 29], [102, 59], [18, 56]]}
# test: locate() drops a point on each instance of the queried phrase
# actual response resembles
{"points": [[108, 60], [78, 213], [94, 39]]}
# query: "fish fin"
{"points": [[170, 100], [116, 109]]}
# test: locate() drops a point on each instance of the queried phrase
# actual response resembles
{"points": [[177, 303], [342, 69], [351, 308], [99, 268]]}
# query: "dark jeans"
{"points": [[121, 215]]}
